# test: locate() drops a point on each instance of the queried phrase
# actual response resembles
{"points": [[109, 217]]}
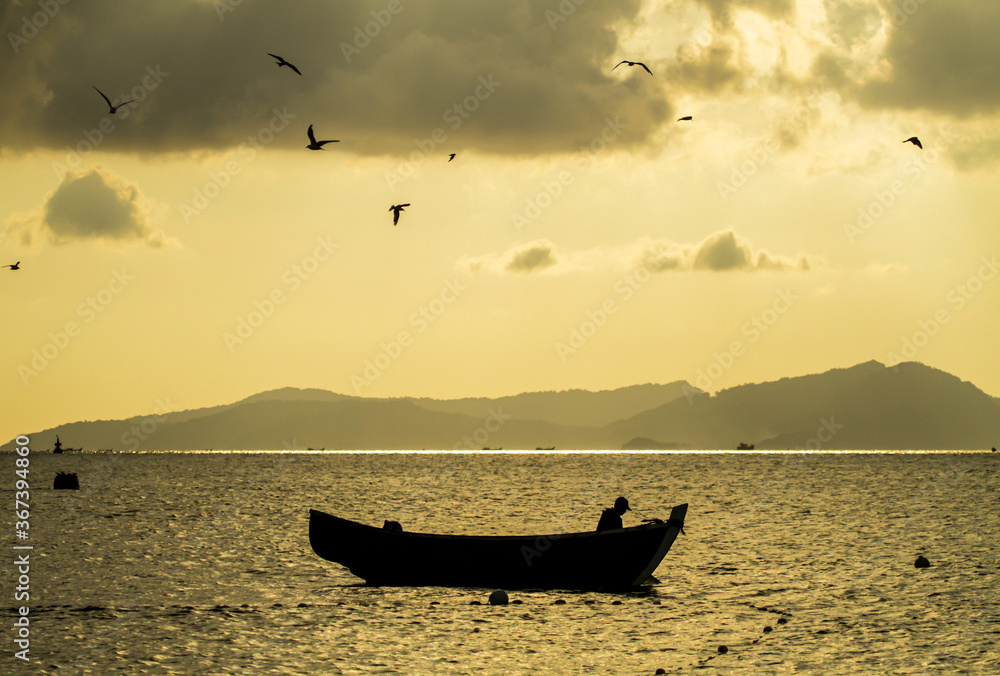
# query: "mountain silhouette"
{"points": [[864, 407]]}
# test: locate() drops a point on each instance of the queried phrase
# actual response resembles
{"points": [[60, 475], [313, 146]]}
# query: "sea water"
{"points": [[199, 563]]}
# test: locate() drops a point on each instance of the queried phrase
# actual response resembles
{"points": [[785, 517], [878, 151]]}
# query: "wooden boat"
{"points": [[619, 558], [744, 446]]}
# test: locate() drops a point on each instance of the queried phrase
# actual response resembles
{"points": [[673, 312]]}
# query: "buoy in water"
{"points": [[661, 670], [499, 598], [921, 562], [723, 650], [67, 480], [768, 630]]}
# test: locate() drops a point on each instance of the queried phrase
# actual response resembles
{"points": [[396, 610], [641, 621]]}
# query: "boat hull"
{"points": [[617, 558]]}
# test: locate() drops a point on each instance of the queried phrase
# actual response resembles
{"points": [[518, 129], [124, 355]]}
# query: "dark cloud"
{"points": [[533, 257], [499, 76], [944, 57], [90, 206]]}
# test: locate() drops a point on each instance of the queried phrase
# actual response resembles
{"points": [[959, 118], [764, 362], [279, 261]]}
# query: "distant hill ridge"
{"points": [[867, 406]]}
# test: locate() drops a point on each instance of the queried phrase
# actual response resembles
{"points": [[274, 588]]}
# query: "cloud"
{"points": [[503, 77], [723, 251], [90, 206], [941, 56], [537, 256], [534, 257]]}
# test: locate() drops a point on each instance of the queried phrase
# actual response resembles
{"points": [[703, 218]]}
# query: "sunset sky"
{"points": [[189, 251]]}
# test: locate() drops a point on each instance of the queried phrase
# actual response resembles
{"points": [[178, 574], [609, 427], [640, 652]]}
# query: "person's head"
{"points": [[621, 506]]}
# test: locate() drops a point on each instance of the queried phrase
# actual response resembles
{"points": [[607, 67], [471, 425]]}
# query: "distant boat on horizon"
{"points": [[744, 447], [57, 447]]}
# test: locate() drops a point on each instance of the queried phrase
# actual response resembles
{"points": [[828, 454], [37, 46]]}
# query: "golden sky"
{"points": [[189, 251]]}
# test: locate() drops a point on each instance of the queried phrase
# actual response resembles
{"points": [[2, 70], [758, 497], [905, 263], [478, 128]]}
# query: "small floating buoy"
{"points": [[616, 603], [921, 562], [723, 650], [768, 630], [590, 602], [66, 480], [499, 598], [475, 603], [517, 602], [559, 602], [782, 620], [661, 670]]}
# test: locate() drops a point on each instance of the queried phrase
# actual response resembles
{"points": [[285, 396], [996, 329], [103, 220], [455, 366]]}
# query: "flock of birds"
{"points": [[318, 145]]}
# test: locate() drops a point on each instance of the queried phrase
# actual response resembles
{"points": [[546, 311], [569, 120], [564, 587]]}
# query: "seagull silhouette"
{"points": [[317, 145], [395, 209], [915, 141], [682, 119], [15, 266], [282, 62], [112, 108], [635, 63], [451, 156]]}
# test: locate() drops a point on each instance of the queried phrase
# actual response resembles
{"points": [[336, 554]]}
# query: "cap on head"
{"points": [[621, 505]]}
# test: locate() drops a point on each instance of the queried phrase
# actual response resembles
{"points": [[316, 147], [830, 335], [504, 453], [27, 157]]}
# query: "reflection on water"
{"points": [[200, 563]]}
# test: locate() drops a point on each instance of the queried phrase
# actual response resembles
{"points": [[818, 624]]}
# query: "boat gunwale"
{"points": [[550, 536]]}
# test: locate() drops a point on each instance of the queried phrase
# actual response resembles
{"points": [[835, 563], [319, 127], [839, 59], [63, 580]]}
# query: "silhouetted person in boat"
{"points": [[612, 516]]}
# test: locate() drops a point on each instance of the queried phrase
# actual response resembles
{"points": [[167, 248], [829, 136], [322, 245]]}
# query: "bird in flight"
{"points": [[395, 209], [682, 119], [915, 141], [112, 108], [15, 266], [282, 62], [635, 63], [451, 156], [317, 145]]}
